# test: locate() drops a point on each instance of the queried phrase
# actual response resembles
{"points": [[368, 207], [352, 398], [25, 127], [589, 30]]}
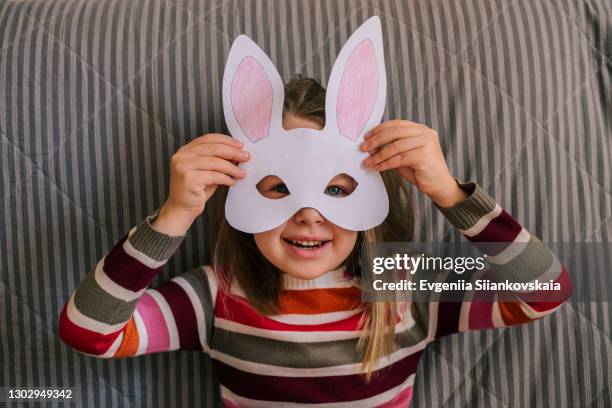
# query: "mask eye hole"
{"points": [[341, 185], [272, 187]]}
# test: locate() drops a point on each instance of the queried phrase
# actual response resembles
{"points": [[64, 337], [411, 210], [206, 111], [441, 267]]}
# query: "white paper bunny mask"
{"points": [[306, 159]]}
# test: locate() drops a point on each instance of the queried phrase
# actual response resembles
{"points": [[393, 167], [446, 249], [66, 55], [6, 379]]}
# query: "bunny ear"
{"points": [[253, 92], [357, 87]]}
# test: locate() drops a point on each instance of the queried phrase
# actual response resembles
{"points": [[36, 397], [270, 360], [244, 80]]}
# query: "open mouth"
{"points": [[306, 244]]}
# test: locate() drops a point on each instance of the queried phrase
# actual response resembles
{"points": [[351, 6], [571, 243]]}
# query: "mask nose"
{"points": [[308, 215]]}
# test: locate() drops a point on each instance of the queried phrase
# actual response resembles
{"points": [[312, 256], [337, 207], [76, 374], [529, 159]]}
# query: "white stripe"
{"points": [[532, 314], [334, 285], [367, 402], [143, 337], [464, 316], [168, 317], [312, 319], [482, 222], [114, 347], [344, 369], [496, 317], [141, 256], [513, 250], [88, 323], [329, 280], [196, 305], [131, 231], [112, 288], [433, 320], [300, 336], [92, 355], [406, 319], [212, 282]]}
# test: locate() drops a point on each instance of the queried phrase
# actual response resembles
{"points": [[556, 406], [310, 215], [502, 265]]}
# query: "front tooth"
{"points": [[308, 243]]}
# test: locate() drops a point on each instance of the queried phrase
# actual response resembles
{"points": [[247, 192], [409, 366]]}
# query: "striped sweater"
{"points": [[307, 355]]}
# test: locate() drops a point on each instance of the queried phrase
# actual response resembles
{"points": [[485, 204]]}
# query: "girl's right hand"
{"points": [[197, 168]]}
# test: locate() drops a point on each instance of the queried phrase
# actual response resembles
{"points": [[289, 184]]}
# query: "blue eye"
{"points": [[281, 188], [334, 191]]}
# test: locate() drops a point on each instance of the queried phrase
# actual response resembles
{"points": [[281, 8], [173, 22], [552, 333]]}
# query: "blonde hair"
{"points": [[235, 255]]}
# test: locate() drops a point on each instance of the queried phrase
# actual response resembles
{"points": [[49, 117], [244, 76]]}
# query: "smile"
{"points": [[306, 244], [307, 249]]}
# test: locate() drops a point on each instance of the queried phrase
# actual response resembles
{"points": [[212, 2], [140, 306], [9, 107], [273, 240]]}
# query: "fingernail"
{"points": [[367, 135], [364, 146], [366, 162], [246, 155]]}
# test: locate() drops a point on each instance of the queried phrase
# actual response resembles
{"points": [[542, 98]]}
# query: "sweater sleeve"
{"points": [[113, 313], [524, 259]]}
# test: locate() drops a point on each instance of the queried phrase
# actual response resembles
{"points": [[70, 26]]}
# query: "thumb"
{"points": [[210, 190], [407, 173]]}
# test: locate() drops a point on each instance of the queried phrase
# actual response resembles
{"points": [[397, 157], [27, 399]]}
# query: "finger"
{"points": [[216, 138], [209, 178], [390, 134], [213, 163], [406, 159], [392, 123], [218, 150], [394, 148]]}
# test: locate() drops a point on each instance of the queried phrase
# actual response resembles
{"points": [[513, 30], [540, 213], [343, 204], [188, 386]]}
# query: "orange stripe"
{"points": [[314, 301], [512, 313], [129, 345]]}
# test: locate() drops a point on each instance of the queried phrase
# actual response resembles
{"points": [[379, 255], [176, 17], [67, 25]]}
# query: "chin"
{"points": [[305, 271]]}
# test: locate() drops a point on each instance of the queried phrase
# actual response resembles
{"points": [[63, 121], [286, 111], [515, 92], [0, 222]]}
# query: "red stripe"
{"points": [[401, 400], [127, 271], [184, 315], [481, 316], [229, 404], [502, 228], [448, 318], [237, 310], [316, 389], [84, 340], [537, 302]]}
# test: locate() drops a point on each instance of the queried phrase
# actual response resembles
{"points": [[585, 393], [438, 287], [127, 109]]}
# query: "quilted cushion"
{"points": [[95, 97]]}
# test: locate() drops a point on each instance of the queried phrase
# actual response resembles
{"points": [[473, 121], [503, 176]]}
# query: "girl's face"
{"points": [[307, 245]]}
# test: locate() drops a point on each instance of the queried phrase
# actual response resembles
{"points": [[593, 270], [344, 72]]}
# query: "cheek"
{"points": [[267, 242], [346, 240]]}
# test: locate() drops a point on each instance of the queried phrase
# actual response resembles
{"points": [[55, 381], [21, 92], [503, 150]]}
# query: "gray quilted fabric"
{"points": [[96, 96]]}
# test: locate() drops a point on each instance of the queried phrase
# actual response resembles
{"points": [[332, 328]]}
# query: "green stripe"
{"points": [[154, 244], [535, 259], [94, 302], [198, 280], [304, 354], [466, 213]]}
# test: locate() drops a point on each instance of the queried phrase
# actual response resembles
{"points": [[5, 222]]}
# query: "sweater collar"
{"points": [[336, 278]]}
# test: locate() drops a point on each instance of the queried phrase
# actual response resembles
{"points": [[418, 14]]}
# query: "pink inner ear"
{"points": [[251, 94], [357, 91]]}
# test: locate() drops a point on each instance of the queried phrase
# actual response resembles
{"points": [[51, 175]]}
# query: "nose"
{"points": [[308, 215]]}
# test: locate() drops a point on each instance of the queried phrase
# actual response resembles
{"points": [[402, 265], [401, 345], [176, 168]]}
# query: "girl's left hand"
{"points": [[414, 151]]}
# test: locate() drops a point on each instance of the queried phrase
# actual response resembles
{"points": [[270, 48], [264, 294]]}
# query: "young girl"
{"points": [[280, 312]]}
